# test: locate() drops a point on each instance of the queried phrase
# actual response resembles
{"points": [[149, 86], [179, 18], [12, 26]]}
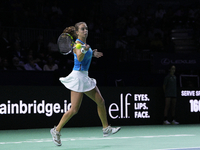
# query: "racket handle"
{"points": [[82, 46]]}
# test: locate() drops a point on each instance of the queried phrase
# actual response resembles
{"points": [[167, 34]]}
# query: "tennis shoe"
{"points": [[110, 130], [56, 136], [174, 122], [166, 122]]}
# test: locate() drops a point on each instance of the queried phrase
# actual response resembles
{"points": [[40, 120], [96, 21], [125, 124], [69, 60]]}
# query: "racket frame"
{"points": [[72, 44]]}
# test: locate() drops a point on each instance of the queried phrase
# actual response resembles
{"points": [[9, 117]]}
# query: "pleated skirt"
{"points": [[78, 81]]}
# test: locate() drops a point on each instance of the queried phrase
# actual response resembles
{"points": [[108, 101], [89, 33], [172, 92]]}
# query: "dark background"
{"points": [[136, 59]]}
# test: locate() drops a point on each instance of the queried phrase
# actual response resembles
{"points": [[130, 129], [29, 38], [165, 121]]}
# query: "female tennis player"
{"points": [[80, 83]]}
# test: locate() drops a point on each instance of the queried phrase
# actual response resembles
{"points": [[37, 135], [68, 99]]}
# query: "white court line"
{"points": [[184, 148], [95, 138]]}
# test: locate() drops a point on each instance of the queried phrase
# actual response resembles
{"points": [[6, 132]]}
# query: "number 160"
{"points": [[195, 105]]}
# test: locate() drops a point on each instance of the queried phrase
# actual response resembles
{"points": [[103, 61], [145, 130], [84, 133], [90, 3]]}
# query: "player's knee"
{"points": [[101, 102], [74, 111]]}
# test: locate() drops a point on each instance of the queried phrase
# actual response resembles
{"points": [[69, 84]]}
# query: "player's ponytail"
{"points": [[70, 30]]}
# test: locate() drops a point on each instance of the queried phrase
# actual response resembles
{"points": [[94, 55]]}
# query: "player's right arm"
{"points": [[79, 54]]}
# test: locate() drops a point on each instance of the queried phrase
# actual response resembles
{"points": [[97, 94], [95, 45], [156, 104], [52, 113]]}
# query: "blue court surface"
{"points": [[155, 137]]}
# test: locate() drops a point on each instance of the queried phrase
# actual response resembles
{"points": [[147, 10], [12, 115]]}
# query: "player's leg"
{"points": [[167, 105], [96, 96], [76, 99]]}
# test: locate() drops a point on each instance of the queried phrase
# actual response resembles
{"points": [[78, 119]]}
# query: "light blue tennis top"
{"points": [[85, 63]]}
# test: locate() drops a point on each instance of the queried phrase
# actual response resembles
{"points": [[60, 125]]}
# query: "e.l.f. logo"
{"points": [[122, 110]]}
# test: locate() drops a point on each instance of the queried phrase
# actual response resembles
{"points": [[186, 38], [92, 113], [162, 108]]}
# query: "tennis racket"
{"points": [[65, 43]]}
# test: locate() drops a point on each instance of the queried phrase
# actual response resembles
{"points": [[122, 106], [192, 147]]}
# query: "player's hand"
{"points": [[97, 54], [86, 47]]}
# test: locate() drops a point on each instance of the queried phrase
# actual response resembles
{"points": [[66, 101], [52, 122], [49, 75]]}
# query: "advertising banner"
{"points": [[24, 107]]}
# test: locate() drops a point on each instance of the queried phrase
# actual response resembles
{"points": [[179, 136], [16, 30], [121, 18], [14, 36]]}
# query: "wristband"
{"points": [[83, 51]]}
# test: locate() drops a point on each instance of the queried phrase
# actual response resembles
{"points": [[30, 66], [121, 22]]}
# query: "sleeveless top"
{"points": [[85, 63]]}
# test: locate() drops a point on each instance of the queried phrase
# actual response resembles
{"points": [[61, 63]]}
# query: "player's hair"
{"points": [[70, 30]]}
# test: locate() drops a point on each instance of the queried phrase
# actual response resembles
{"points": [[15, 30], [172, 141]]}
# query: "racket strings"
{"points": [[65, 43]]}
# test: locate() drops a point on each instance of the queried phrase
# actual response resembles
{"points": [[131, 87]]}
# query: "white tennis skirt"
{"points": [[78, 81]]}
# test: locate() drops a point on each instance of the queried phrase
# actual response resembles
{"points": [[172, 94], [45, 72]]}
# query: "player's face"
{"points": [[83, 31]]}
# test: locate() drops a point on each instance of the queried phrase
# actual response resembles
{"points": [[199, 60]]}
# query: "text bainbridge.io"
{"points": [[33, 108]]}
